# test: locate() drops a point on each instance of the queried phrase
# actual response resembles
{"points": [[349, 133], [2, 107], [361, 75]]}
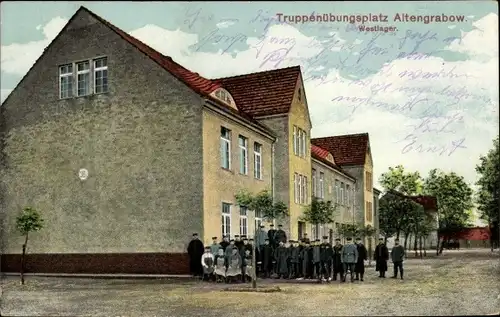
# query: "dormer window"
{"points": [[224, 96], [329, 157]]}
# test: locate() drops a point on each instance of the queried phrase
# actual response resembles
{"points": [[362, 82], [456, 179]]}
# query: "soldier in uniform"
{"points": [[271, 235], [225, 242], [214, 248], [266, 259], [338, 267], [260, 237], [316, 259], [294, 260], [326, 256], [381, 255], [281, 256], [307, 264], [280, 235], [362, 256], [349, 258]]}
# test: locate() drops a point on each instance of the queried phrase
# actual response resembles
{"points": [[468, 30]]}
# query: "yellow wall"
{"points": [[368, 194], [298, 116], [221, 185]]}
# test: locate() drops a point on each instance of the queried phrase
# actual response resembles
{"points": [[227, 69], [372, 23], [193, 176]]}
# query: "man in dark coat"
{"points": [[238, 242], [338, 267], [280, 235], [398, 255], [316, 259], [307, 265], [224, 243], [326, 255], [300, 260], [271, 233], [362, 256], [229, 249], [381, 255], [293, 268], [195, 251], [281, 256], [266, 258]]}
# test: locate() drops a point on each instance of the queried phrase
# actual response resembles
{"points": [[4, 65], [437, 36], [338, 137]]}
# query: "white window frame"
{"points": [[64, 75], [243, 154], [321, 185], [243, 220], [348, 194], [303, 141], [226, 219], [225, 141], [295, 141], [257, 159], [300, 189], [296, 187], [98, 69], [83, 72], [342, 188], [314, 183], [304, 199], [337, 191]]}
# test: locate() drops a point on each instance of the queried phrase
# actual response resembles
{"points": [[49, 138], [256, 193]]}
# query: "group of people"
{"points": [[232, 259]]}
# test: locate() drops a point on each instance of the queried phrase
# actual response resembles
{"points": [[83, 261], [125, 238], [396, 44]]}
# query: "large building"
{"points": [[126, 153]]}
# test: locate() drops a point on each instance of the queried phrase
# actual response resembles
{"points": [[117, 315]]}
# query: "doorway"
{"points": [[302, 228]]}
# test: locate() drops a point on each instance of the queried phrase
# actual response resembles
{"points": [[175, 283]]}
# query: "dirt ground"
{"points": [[457, 283]]}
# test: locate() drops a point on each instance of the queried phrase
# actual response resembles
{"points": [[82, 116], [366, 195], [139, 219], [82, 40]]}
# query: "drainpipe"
{"points": [[273, 175]]}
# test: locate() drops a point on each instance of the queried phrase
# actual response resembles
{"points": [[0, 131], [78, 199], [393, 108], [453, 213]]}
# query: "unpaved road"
{"points": [[457, 283]]}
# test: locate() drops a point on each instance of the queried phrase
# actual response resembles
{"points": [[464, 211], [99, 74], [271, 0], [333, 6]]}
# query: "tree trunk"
{"points": [[397, 234], [406, 240], [415, 244], [254, 261], [23, 256], [421, 243]]}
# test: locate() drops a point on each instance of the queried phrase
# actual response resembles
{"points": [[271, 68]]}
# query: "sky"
{"points": [[427, 93]]}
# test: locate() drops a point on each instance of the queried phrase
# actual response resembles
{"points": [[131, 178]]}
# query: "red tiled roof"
{"points": [[428, 202], [321, 155], [193, 80], [473, 234], [264, 93], [347, 149]]}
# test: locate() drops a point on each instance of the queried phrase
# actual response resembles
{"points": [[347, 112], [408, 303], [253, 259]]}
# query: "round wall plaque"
{"points": [[83, 174]]}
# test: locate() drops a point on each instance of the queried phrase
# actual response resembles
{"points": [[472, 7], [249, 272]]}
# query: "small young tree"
{"points": [[368, 232], [262, 203], [349, 230], [28, 221], [319, 212]]}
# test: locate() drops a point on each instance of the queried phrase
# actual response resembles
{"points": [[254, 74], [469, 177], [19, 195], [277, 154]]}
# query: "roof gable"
{"points": [[347, 150], [263, 93]]}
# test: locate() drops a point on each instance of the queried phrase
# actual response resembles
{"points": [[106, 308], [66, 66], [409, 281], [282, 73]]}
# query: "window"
{"points": [[258, 219], [226, 219], [299, 142], [368, 180], [83, 79], [243, 221], [225, 147], [342, 190], [304, 190], [223, 95], [368, 211], [322, 185], [314, 185], [300, 189], [66, 81], [348, 195], [101, 75], [296, 187], [243, 144], [337, 191], [257, 160], [295, 141]]}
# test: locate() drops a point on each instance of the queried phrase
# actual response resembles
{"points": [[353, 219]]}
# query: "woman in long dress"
{"points": [[220, 266], [233, 266], [207, 263]]}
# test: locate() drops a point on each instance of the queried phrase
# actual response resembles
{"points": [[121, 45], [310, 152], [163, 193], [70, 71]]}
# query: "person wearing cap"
{"points": [[381, 255], [260, 237], [397, 256], [271, 236], [215, 246], [349, 258], [293, 269], [326, 255], [280, 235], [338, 267], [238, 242], [225, 242], [362, 257], [207, 263], [316, 259], [195, 251], [266, 258], [307, 265], [229, 249], [281, 257]]}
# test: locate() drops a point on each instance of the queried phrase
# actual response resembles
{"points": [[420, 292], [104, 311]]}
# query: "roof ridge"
{"points": [[255, 73], [336, 136]]}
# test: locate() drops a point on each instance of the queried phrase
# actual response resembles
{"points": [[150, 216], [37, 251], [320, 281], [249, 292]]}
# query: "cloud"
{"points": [[17, 58], [4, 94]]}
